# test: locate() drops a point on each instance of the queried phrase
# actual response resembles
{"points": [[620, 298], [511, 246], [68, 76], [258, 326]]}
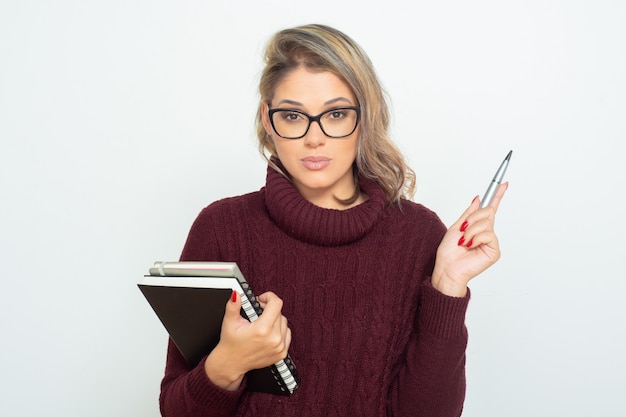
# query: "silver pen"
{"points": [[497, 179]]}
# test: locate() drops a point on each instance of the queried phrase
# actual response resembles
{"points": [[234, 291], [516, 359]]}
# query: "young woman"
{"points": [[366, 289]]}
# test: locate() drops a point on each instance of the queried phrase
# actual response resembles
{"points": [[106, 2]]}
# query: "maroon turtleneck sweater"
{"points": [[370, 336]]}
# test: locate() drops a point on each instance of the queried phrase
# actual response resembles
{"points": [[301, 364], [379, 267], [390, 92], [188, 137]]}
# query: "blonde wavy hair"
{"points": [[322, 48]]}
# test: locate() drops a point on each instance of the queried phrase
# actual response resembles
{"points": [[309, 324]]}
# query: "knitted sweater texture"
{"points": [[370, 336]]}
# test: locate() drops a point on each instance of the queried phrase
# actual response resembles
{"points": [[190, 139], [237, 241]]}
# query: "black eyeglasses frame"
{"points": [[317, 118]]}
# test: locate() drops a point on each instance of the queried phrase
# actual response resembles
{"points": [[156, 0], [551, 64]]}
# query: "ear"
{"points": [[265, 119]]}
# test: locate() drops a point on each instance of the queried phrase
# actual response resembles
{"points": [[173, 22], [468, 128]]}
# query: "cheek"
{"points": [[352, 143], [350, 149], [282, 149]]}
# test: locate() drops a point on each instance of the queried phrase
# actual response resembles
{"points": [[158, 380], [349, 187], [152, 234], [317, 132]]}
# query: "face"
{"points": [[321, 167]]}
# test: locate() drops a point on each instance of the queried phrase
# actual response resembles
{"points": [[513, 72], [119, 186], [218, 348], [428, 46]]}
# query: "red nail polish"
{"points": [[470, 243], [464, 226], [233, 296], [462, 240]]}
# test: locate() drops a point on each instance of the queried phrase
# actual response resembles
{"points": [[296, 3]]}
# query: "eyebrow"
{"points": [[297, 103]]}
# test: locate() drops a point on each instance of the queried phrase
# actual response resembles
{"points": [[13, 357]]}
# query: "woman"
{"points": [[364, 288]]}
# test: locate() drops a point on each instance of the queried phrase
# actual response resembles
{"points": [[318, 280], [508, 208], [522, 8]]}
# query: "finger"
{"points": [[233, 306], [474, 226], [287, 342], [487, 212], [266, 296], [486, 238], [284, 331], [284, 326], [497, 198], [479, 221], [281, 346], [469, 210], [272, 307], [263, 298], [285, 338]]}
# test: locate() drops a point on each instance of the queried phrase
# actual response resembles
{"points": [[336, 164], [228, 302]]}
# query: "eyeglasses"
{"points": [[334, 123]]}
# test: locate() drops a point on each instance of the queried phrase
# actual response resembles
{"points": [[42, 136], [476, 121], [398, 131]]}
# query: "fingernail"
{"points": [[462, 240], [464, 226], [470, 243], [233, 296], [475, 198]]}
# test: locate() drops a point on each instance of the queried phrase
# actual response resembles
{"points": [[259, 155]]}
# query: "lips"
{"points": [[315, 163]]}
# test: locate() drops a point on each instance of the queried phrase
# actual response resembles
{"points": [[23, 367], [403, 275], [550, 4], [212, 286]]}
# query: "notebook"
{"points": [[189, 299]]}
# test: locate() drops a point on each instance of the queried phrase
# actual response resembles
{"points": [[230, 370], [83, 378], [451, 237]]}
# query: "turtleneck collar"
{"points": [[316, 225]]}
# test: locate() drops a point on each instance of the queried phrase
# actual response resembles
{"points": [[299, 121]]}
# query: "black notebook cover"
{"points": [[190, 297]]}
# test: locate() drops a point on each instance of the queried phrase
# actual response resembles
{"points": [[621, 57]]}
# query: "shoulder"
{"points": [[413, 224], [417, 214], [238, 203], [229, 210], [220, 224]]}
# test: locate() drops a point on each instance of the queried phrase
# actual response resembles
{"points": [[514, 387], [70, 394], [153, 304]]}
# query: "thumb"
{"points": [[233, 306]]}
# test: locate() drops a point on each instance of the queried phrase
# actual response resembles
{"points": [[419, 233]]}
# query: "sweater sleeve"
{"points": [[188, 392], [431, 380]]}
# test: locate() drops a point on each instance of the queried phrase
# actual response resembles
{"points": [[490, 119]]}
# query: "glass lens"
{"points": [[337, 123], [289, 123]]}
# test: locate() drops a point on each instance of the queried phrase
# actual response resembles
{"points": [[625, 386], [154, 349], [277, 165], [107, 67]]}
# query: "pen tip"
{"points": [[508, 156]]}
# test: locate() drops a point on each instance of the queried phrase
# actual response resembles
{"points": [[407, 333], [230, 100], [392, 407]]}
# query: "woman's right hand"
{"points": [[244, 346]]}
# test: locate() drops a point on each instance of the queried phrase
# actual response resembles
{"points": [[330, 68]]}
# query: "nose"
{"points": [[314, 137]]}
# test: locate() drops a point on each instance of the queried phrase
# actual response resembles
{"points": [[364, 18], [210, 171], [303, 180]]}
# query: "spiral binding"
{"points": [[284, 371]]}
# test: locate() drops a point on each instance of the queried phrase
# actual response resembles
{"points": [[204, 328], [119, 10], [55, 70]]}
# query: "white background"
{"points": [[120, 120]]}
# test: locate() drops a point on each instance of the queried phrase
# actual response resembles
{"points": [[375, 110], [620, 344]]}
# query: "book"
{"points": [[190, 298]]}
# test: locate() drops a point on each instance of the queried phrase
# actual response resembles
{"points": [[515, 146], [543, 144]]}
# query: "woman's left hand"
{"points": [[468, 248]]}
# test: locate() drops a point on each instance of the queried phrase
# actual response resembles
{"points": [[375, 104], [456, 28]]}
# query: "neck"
{"points": [[329, 201], [306, 218]]}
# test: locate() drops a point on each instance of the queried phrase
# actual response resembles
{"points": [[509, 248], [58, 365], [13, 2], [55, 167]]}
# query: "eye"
{"points": [[336, 114], [290, 116]]}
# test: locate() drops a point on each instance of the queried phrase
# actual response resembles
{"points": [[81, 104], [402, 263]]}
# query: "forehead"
{"points": [[311, 88]]}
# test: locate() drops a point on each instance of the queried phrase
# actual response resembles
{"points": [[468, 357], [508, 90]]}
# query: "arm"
{"points": [[431, 379], [189, 391], [214, 387]]}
